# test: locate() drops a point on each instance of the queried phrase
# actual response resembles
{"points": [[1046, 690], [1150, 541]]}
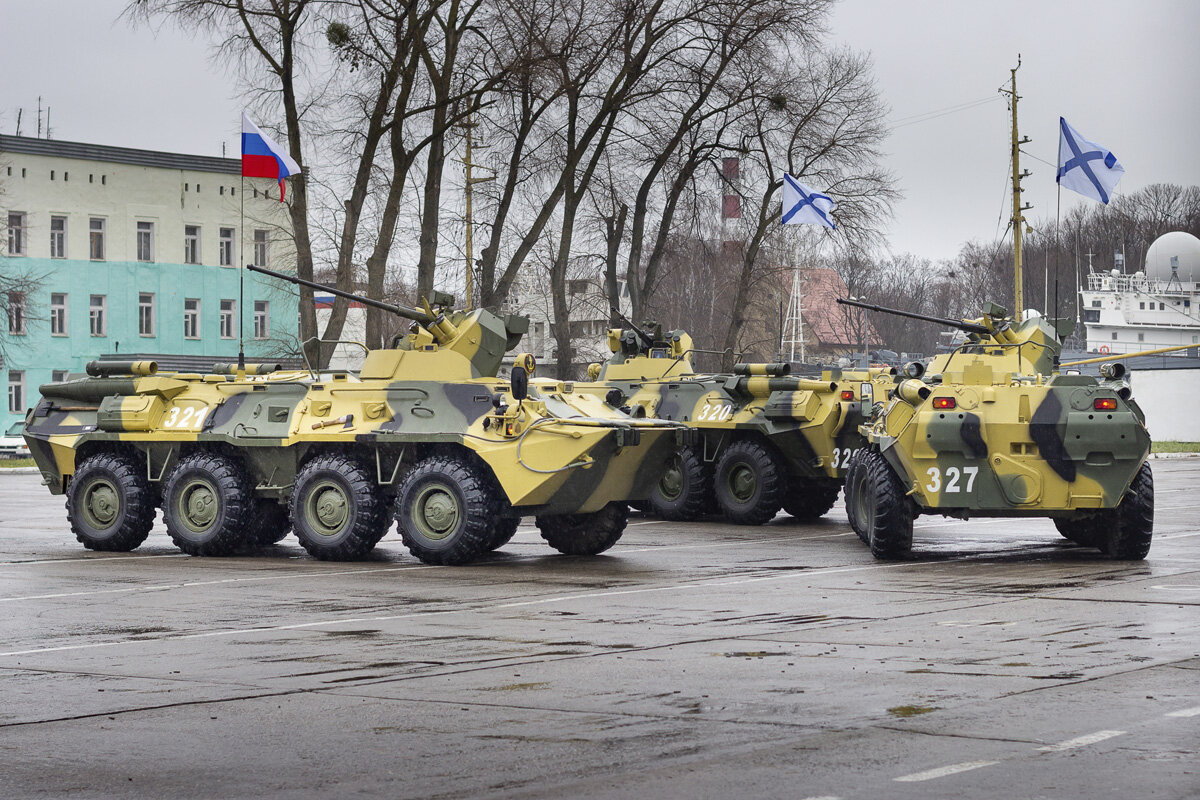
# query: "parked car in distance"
{"points": [[12, 444]]}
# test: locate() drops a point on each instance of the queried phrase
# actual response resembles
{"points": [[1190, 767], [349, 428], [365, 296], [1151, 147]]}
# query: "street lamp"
{"points": [[862, 332]]}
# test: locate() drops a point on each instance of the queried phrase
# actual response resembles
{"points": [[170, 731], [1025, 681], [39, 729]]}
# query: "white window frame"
{"points": [[97, 233], [262, 255], [17, 303], [191, 318], [18, 243], [191, 244], [98, 315], [59, 375], [147, 314], [60, 314], [58, 238], [262, 319], [16, 391], [145, 228], [228, 319], [225, 246]]}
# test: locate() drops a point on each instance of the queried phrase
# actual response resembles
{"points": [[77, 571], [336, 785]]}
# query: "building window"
{"points": [[16, 313], [96, 239], [1114, 336], [16, 233], [228, 314], [145, 313], [191, 318], [16, 392], [1142, 306], [1141, 337], [191, 244], [1162, 306], [260, 248], [145, 241], [1095, 304], [225, 248], [262, 319], [58, 314], [58, 237], [577, 286], [98, 315], [58, 376]]}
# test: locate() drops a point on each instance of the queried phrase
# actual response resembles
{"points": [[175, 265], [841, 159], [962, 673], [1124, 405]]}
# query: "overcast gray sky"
{"points": [[1125, 74]]}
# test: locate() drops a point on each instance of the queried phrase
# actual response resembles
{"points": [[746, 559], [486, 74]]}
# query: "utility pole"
{"points": [[468, 191], [1018, 219]]}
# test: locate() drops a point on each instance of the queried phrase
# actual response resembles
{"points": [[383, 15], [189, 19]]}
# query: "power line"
{"points": [[942, 112]]}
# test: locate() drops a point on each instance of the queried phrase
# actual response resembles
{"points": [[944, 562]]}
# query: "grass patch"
{"points": [[13, 463], [1175, 447], [910, 711]]}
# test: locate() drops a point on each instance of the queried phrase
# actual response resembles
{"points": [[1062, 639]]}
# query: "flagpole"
{"points": [[1057, 222], [242, 278]]}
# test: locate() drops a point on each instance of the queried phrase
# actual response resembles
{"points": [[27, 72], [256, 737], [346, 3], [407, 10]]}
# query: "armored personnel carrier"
{"points": [[767, 439], [993, 429], [424, 432]]}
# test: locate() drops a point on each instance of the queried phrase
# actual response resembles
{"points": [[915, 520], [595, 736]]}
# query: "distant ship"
{"points": [[1151, 308]]}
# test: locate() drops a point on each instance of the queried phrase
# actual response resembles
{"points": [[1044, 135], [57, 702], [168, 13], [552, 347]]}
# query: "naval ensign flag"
{"points": [[1086, 167], [803, 206]]}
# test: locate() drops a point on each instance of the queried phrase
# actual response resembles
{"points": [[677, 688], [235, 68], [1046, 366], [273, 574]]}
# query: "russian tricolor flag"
{"points": [[262, 157]]}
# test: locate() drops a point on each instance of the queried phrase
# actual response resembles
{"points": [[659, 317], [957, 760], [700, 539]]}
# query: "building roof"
{"points": [[832, 324], [118, 155]]}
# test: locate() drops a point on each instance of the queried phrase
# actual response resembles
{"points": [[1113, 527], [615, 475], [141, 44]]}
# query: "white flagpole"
{"points": [[241, 313]]}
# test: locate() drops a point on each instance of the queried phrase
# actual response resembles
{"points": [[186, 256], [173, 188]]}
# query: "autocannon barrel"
{"points": [[408, 312], [88, 390], [103, 369], [774, 369], [969, 327], [761, 386]]}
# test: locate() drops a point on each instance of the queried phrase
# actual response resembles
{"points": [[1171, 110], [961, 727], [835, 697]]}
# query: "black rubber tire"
{"points": [[585, 534], [355, 511], [882, 508], [759, 464], [1085, 531], [272, 523], [121, 481], [209, 479], [854, 477], [503, 531], [690, 485], [811, 498], [462, 491], [1129, 539]]}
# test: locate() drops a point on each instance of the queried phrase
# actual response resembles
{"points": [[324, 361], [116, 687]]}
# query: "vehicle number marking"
{"points": [[953, 477], [842, 456], [190, 418], [715, 413]]}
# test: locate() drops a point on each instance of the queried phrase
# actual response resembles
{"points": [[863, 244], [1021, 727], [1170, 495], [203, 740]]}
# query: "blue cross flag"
{"points": [[1086, 167], [803, 206]]}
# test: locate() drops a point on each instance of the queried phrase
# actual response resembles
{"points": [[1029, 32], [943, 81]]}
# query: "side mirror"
{"points": [[866, 393]]}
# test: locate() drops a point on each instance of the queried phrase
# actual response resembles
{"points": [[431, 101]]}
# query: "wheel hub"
{"points": [[198, 504], [102, 504], [436, 512], [671, 485], [742, 482], [328, 509]]}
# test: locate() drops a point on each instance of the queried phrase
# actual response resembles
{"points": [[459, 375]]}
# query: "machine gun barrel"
{"points": [[645, 337], [969, 327], [407, 312]]}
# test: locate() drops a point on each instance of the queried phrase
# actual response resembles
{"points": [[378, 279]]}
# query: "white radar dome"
{"points": [[1179, 247]]}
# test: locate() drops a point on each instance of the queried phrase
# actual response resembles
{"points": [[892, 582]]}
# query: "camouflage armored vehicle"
{"points": [[424, 431], [766, 439], [992, 429]]}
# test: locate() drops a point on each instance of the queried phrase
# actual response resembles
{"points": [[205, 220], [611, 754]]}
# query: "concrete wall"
{"points": [[1170, 399]]}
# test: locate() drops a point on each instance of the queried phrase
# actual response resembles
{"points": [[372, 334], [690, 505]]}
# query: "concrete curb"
{"points": [[21, 471], [1175, 455]]}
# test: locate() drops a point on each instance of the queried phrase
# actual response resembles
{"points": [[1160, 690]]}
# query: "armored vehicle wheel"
{"points": [[749, 483], [208, 504], [854, 488], [811, 498], [110, 504], [503, 531], [882, 508], [271, 523], [683, 490], [337, 510], [1129, 538], [585, 534], [1084, 531], [446, 507]]}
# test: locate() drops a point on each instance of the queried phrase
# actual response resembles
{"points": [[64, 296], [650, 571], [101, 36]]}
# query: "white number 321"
{"points": [[953, 476]]}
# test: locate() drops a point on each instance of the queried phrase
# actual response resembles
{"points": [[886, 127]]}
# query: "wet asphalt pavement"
{"points": [[704, 660]]}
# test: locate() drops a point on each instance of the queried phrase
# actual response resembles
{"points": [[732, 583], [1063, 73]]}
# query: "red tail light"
{"points": [[847, 394], [943, 402], [1105, 404]]}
